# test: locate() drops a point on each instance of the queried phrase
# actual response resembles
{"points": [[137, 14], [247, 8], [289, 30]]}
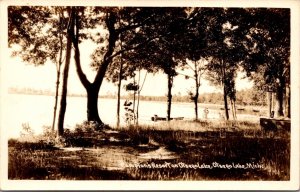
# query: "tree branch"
{"points": [[190, 66], [83, 79], [110, 22], [189, 76], [129, 27], [135, 47]]}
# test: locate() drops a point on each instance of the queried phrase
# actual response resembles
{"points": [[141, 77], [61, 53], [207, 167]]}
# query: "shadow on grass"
{"points": [[52, 164], [231, 146]]}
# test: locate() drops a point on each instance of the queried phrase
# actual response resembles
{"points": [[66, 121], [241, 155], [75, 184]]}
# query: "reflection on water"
{"points": [[37, 111]]}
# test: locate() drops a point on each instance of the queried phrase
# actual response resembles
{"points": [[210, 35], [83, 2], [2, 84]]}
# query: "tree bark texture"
{"points": [[92, 105], [119, 93], [197, 91], [170, 84], [225, 103], [224, 90], [57, 81], [63, 101]]}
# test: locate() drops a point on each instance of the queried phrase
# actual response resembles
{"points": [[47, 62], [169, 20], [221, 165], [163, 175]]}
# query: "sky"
{"points": [[21, 74]]}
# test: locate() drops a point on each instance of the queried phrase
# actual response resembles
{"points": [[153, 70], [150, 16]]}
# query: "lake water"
{"points": [[38, 111]]}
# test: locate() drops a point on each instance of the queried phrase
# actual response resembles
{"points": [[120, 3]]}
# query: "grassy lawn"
{"points": [[168, 151]]}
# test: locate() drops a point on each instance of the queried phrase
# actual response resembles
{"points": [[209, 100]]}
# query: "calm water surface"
{"points": [[38, 111]]}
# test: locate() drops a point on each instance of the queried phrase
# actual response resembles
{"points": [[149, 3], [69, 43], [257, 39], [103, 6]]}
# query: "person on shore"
{"points": [[206, 111]]}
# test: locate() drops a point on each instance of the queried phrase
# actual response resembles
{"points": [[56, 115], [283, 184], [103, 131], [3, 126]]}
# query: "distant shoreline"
{"points": [[44, 94], [175, 99]]}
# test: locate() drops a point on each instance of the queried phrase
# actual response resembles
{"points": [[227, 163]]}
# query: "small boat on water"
{"points": [[156, 118], [255, 110], [241, 109], [224, 109]]}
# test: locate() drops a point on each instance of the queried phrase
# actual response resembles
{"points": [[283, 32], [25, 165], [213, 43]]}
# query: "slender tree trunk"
{"points": [[63, 101], [225, 104], [57, 81], [287, 101], [279, 99], [196, 100], [119, 85], [269, 102], [273, 103], [170, 84], [133, 105], [196, 91], [196, 106], [137, 108], [119, 94], [56, 97], [138, 98], [234, 107], [224, 90], [232, 103]]}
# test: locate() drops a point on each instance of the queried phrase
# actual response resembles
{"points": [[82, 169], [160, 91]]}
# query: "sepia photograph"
{"points": [[131, 93]]}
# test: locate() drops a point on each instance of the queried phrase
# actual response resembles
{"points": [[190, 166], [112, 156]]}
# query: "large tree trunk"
{"points": [[94, 88], [170, 84], [92, 105], [63, 101], [113, 36]]}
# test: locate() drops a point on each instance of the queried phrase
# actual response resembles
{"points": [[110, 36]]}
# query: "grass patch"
{"points": [[56, 164], [117, 154], [202, 125]]}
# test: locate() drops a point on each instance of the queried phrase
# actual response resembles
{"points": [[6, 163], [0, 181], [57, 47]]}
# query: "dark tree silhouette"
{"points": [[269, 53], [138, 26], [164, 52]]}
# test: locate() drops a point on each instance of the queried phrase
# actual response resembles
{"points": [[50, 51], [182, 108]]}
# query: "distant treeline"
{"points": [[33, 91], [243, 97]]}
